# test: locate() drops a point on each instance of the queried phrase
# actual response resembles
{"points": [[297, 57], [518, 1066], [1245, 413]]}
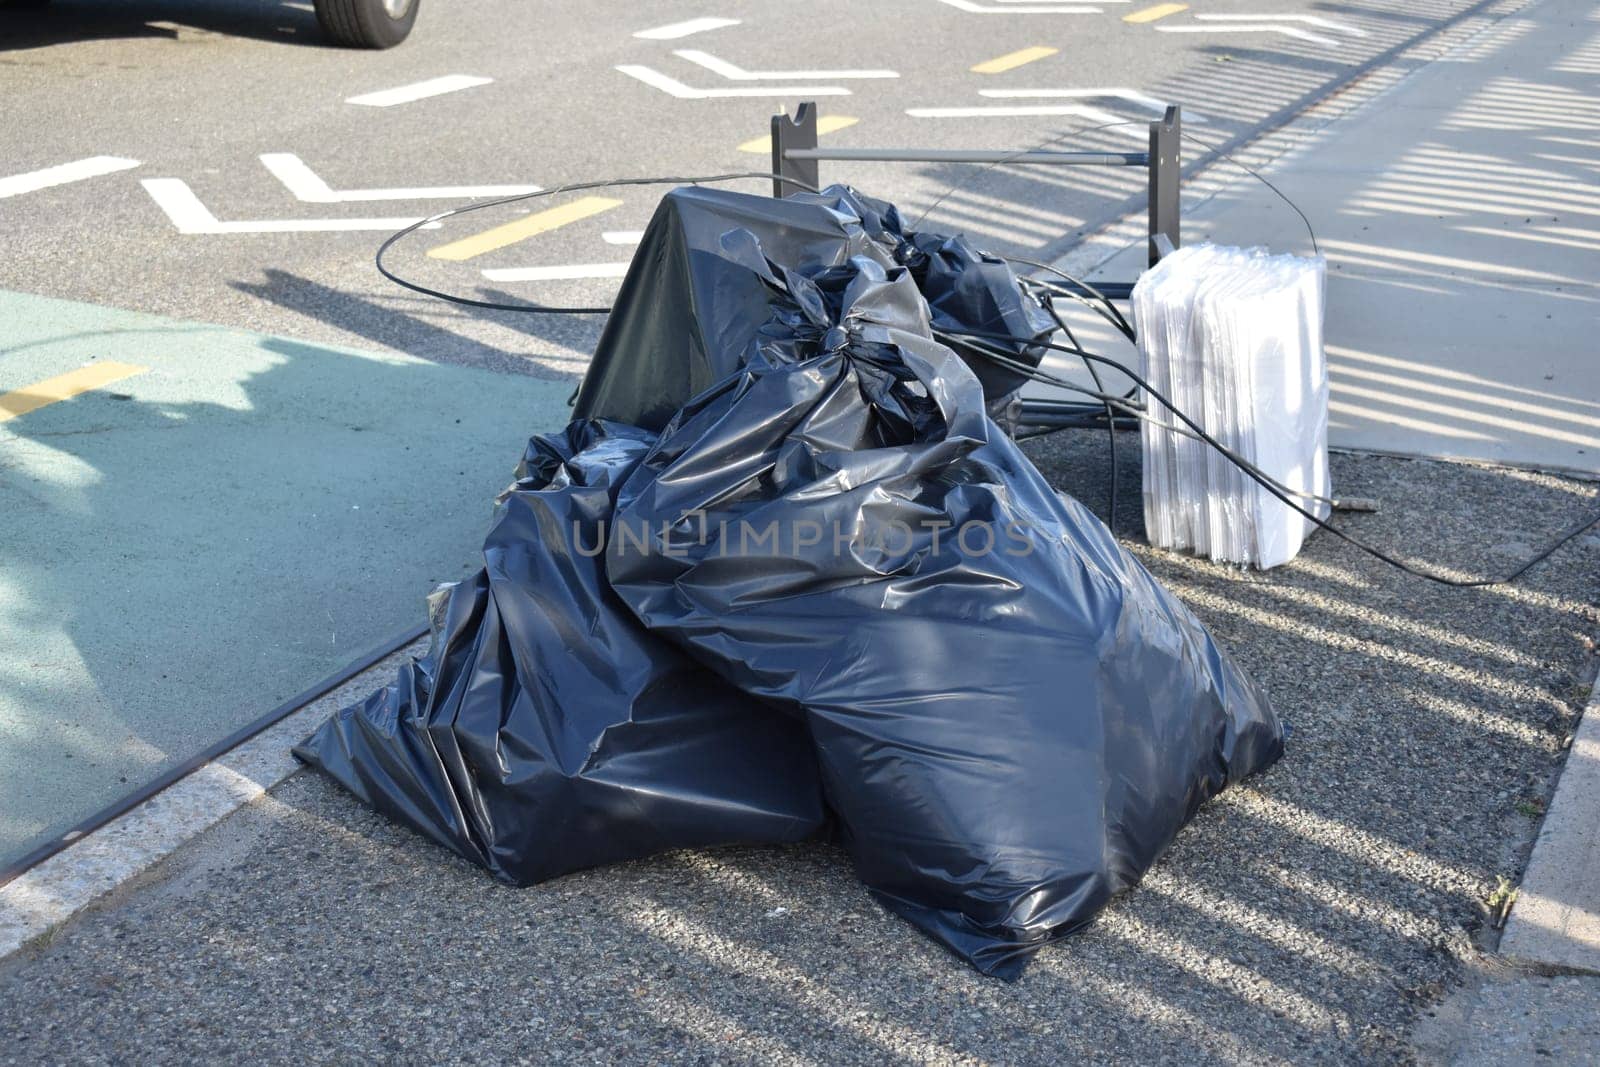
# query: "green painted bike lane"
{"points": [[184, 548]]}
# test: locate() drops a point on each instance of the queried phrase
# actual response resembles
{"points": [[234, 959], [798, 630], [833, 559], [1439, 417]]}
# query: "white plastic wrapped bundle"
{"points": [[1233, 337]]}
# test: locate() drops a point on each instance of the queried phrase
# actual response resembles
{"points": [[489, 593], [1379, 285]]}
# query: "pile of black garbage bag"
{"points": [[786, 575]]}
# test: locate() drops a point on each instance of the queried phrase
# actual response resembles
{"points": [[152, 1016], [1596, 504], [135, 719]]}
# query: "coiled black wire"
{"points": [[1250, 469], [570, 187], [1106, 404]]}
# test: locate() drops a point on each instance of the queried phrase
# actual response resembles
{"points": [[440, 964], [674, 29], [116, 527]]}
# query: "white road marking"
{"points": [[733, 73], [550, 274], [683, 29], [93, 167], [1132, 96], [622, 237], [405, 94], [657, 80], [1093, 114], [1287, 31], [304, 183], [190, 216], [1026, 9], [1313, 20]]}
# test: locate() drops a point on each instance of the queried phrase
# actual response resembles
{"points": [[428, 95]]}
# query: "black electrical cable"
{"points": [[1067, 415], [1111, 429], [1259, 476], [570, 187], [1109, 401], [1105, 305], [1279, 193]]}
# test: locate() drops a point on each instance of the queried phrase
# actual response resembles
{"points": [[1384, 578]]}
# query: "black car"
{"points": [[356, 23], [367, 23]]}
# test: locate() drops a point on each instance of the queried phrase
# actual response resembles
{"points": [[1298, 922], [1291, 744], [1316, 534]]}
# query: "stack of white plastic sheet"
{"points": [[1233, 337]]}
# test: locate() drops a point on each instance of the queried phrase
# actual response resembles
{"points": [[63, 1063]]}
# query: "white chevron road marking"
{"points": [[77, 171], [675, 30], [190, 216], [306, 186], [405, 94], [1093, 114], [1131, 96], [1287, 31], [733, 73], [657, 80], [1025, 9], [1310, 20]]}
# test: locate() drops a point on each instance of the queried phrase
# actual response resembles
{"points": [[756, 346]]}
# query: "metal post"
{"points": [[799, 132], [1166, 139]]}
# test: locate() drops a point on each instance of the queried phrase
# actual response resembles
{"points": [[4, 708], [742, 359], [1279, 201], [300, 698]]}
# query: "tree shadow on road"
{"points": [[400, 322]]}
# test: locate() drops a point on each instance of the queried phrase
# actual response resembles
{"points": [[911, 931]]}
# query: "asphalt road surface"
{"points": [[244, 124]]}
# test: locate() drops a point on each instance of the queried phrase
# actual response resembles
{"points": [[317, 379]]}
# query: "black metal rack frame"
{"points": [[795, 155]]}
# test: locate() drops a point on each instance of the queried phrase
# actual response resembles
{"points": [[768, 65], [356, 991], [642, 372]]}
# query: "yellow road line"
{"points": [[761, 146], [1150, 14], [63, 387], [522, 229], [1013, 60]]}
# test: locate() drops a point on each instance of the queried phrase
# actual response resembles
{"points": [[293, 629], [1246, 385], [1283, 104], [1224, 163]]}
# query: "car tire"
{"points": [[367, 23]]}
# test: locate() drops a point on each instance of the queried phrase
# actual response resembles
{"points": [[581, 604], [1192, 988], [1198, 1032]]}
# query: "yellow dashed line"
{"points": [[1150, 14], [63, 387], [761, 146], [1013, 60], [522, 229]]}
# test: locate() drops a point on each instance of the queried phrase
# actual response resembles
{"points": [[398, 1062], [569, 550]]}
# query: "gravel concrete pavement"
{"points": [[1316, 914]]}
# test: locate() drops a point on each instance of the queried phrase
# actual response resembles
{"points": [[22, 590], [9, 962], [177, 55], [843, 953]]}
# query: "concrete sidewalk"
{"points": [[1321, 912], [1462, 228]]}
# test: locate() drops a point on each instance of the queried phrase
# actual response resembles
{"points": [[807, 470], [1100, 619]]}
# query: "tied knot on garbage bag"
{"points": [[826, 586], [701, 287]]}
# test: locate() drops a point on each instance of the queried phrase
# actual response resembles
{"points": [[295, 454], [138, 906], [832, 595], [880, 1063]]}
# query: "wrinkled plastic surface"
{"points": [[545, 730], [1013, 719], [1233, 337], [681, 319], [1008, 717]]}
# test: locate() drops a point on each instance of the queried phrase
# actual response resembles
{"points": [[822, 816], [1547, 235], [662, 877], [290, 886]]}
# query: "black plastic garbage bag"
{"points": [[1012, 718], [546, 730], [685, 311], [832, 576]]}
